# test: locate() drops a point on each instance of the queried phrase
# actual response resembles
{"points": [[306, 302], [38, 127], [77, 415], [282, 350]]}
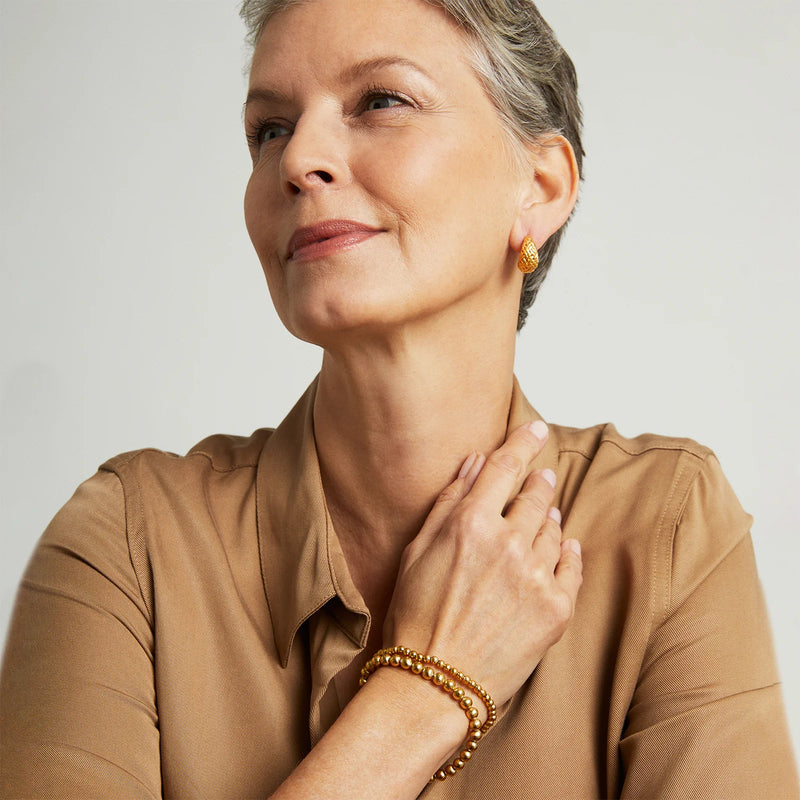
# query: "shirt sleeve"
{"points": [[77, 689], [706, 719]]}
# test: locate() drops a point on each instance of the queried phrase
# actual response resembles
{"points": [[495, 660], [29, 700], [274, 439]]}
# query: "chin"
{"points": [[328, 323], [324, 311]]}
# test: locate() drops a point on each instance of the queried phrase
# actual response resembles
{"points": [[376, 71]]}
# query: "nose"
{"points": [[315, 156]]}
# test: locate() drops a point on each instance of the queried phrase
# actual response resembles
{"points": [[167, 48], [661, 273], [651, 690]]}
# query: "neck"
{"points": [[393, 425]]}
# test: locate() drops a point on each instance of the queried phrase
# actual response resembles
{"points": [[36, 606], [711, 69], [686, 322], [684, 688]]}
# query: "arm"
{"points": [[707, 719], [77, 695]]}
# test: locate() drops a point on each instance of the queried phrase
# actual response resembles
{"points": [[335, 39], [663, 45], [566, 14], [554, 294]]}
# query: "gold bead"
{"points": [[452, 681]]}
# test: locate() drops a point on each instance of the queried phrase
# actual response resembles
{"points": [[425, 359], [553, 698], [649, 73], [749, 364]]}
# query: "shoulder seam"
{"points": [[674, 506], [232, 468], [576, 451], [125, 459], [129, 527], [676, 447]]}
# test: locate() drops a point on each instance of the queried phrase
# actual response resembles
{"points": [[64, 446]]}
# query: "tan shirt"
{"points": [[179, 626]]}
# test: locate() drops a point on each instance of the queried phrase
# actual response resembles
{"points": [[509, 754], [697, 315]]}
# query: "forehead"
{"points": [[333, 34]]}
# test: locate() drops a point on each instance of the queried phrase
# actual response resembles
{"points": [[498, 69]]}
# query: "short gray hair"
{"points": [[525, 71]]}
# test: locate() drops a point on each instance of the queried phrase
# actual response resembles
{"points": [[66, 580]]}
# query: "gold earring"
{"points": [[528, 256]]}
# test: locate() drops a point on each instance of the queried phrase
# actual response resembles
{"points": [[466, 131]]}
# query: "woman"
{"points": [[200, 625]]}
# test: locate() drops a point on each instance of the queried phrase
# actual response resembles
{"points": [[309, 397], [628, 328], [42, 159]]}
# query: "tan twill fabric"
{"points": [[181, 620]]}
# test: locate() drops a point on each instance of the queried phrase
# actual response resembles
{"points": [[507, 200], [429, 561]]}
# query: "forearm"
{"points": [[389, 740]]}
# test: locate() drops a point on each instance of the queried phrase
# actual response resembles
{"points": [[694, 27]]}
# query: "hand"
{"points": [[487, 584]]}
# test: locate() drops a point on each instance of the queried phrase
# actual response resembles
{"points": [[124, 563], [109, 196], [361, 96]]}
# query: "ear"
{"points": [[549, 195]]}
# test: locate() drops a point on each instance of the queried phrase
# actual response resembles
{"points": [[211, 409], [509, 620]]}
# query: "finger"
{"points": [[569, 570], [507, 467], [448, 499], [547, 544], [528, 510]]}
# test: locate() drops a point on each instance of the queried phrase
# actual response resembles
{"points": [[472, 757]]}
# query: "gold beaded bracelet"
{"points": [[447, 678]]}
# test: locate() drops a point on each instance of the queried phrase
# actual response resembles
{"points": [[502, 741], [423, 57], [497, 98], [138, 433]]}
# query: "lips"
{"points": [[327, 236]]}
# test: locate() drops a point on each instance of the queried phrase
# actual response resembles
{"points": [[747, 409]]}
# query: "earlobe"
{"points": [[550, 195]]}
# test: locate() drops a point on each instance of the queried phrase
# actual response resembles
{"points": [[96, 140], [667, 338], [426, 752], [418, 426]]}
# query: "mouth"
{"points": [[323, 238]]}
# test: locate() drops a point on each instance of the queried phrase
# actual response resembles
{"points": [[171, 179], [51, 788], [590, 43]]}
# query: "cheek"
{"points": [[260, 221], [446, 187], [256, 214], [422, 171]]}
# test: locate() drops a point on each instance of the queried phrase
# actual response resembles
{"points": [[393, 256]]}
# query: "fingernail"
{"points": [[467, 465], [538, 429], [555, 515], [549, 476], [574, 545], [480, 460]]}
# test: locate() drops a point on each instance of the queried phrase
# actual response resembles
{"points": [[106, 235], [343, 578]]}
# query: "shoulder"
{"points": [[217, 453], [653, 472], [669, 474], [662, 500], [112, 519], [605, 440]]}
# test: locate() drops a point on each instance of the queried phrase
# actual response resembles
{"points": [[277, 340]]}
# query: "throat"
{"points": [[372, 552]]}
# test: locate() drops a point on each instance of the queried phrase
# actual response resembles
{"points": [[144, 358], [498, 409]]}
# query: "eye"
{"points": [[263, 131], [377, 102], [378, 98], [272, 131]]}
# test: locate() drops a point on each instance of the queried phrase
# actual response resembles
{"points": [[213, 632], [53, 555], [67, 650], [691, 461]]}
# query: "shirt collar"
{"points": [[302, 564]]}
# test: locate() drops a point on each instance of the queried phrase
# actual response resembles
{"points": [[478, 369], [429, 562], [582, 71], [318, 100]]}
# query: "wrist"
{"points": [[420, 708], [452, 682]]}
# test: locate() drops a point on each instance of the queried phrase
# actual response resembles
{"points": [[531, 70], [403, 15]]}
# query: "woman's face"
{"points": [[382, 191]]}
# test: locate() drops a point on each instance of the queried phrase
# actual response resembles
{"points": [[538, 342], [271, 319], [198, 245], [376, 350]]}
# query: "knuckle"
{"points": [[515, 548], [449, 494], [552, 529], [508, 463], [470, 523], [539, 575], [536, 503], [562, 609]]}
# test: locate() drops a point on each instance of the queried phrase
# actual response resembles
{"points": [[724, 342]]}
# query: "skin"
{"points": [[417, 324]]}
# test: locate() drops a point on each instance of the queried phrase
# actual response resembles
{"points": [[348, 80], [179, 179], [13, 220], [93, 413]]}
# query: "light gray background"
{"points": [[134, 313]]}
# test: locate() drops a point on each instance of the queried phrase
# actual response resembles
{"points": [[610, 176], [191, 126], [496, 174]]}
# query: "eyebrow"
{"points": [[351, 73], [360, 68], [263, 95]]}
